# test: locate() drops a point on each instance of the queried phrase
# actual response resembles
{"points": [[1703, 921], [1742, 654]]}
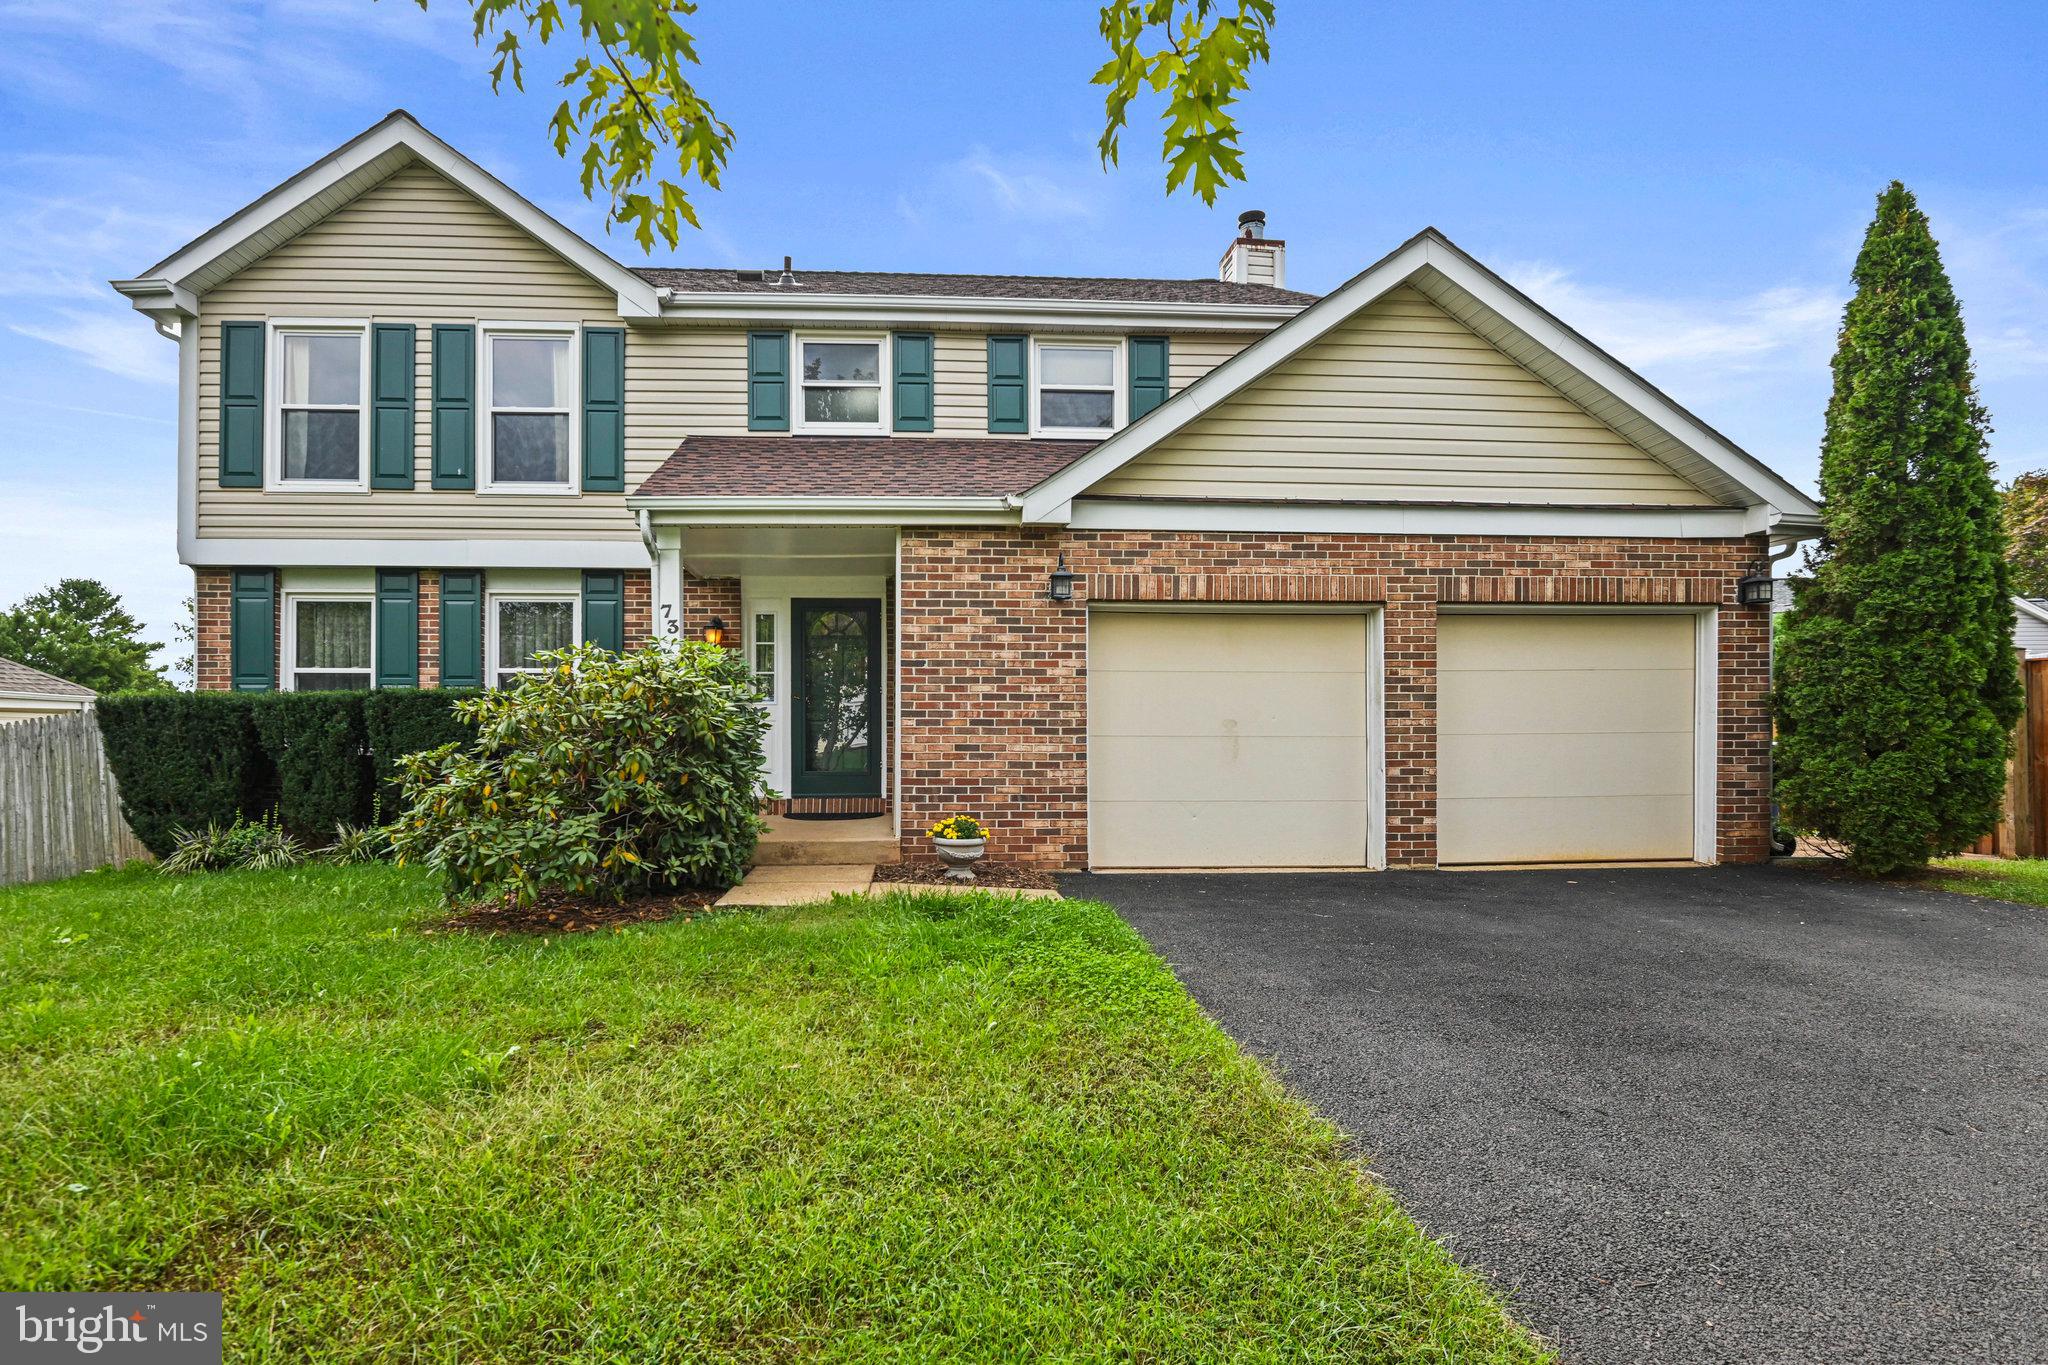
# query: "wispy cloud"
{"points": [[1730, 335], [1026, 188], [114, 340], [122, 534]]}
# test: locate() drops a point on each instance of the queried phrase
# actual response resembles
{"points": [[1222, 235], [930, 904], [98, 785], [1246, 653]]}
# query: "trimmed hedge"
{"points": [[316, 739], [189, 759], [408, 720], [184, 760]]}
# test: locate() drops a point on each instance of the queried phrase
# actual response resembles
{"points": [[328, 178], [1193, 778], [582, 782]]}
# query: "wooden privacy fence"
{"points": [[60, 809], [2023, 829]]}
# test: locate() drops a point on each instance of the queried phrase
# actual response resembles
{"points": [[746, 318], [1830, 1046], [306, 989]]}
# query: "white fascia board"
{"points": [[887, 310], [1437, 519], [210, 552], [1427, 251], [398, 139], [2030, 609], [70, 701], [802, 511]]}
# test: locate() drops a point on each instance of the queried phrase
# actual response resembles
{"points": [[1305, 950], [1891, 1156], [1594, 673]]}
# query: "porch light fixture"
{"points": [[1060, 588], [1756, 588], [714, 631]]}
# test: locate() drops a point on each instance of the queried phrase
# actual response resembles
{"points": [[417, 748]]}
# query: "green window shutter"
{"points": [[604, 609], [1148, 374], [454, 407], [604, 410], [241, 404], [252, 631], [391, 356], [462, 628], [767, 381], [912, 401], [398, 628], [1009, 383]]}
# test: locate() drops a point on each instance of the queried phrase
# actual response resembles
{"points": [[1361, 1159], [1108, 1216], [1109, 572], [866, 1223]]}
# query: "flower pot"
{"points": [[959, 856]]}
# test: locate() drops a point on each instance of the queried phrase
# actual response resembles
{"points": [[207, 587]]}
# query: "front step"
{"points": [[827, 843]]}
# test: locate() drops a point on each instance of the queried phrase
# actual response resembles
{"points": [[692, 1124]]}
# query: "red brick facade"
{"points": [[993, 677], [705, 598]]}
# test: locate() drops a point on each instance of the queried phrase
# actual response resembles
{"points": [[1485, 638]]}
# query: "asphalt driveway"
{"points": [[1677, 1115]]}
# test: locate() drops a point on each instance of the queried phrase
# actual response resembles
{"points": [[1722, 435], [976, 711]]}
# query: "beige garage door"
{"points": [[1227, 740], [1564, 738]]}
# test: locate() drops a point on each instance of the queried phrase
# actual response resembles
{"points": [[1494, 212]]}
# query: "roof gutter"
{"points": [[685, 306], [788, 510]]}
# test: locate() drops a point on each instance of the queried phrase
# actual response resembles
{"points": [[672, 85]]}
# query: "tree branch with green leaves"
{"points": [[644, 132]]}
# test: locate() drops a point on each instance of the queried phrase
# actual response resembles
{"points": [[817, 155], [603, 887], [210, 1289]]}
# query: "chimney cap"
{"points": [[1252, 222]]}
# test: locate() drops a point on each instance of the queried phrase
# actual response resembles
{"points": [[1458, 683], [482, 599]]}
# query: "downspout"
{"points": [[647, 536]]}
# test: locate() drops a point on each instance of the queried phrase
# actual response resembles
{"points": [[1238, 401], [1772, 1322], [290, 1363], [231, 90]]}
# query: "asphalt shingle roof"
{"points": [[857, 466], [1051, 287], [16, 677]]}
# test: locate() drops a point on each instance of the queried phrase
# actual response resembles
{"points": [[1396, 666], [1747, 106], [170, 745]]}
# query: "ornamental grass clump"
{"points": [[598, 775]]}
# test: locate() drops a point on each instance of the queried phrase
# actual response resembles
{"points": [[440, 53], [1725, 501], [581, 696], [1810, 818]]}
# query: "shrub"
{"points": [[259, 844], [600, 774], [184, 761], [358, 844], [407, 720], [322, 755]]}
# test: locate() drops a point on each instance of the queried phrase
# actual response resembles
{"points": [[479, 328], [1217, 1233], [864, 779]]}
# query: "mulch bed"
{"points": [[559, 913], [985, 874]]}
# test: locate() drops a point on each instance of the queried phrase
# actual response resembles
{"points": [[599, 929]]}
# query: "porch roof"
{"points": [[857, 467]]}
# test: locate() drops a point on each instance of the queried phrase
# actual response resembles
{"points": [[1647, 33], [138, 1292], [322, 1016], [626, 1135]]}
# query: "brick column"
{"points": [[1410, 647], [430, 627]]}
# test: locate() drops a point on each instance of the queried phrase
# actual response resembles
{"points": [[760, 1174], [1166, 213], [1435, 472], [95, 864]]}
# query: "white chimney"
{"points": [[1254, 258]]}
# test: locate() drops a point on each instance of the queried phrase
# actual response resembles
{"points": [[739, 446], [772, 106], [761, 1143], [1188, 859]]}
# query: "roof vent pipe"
{"points": [[788, 275]]}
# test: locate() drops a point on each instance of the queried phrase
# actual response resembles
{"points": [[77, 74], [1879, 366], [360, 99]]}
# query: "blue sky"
{"points": [[1686, 185]]}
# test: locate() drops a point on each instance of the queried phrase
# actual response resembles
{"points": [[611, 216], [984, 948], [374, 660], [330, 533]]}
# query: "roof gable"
{"points": [[21, 680], [173, 284], [1487, 306]]}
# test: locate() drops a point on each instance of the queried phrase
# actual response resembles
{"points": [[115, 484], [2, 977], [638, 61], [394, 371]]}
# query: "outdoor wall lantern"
{"points": [[714, 631], [1060, 588], [1755, 589]]}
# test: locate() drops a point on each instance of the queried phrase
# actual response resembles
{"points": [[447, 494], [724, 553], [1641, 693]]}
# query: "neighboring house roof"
{"points": [[1497, 311], [17, 679], [873, 283], [2035, 607], [724, 467]]}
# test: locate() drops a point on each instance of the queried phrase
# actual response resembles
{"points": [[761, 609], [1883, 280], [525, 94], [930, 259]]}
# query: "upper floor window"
{"points": [[840, 384], [322, 391], [529, 399], [1074, 388]]}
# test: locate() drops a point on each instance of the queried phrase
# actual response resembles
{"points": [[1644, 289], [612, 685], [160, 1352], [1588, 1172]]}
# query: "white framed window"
{"points": [[330, 642], [526, 624], [839, 383], [529, 390], [762, 654], [1076, 387], [318, 432]]}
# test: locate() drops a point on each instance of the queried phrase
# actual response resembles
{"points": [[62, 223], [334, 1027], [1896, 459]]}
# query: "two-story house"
{"points": [[1186, 572]]}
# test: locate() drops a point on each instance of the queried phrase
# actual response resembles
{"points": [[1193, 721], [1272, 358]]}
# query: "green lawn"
{"points": [[905, 1130], [2023, 879]]}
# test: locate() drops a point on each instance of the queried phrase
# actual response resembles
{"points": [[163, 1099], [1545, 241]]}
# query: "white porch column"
{"points": [[668, 582]]}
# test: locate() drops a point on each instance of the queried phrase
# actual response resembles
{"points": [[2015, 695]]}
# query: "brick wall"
{"points": [[639, 622], [993, 703], [212, 664], [704, 598], [430, 627]]}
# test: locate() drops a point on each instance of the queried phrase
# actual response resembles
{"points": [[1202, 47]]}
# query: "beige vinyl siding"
{"points": [[1192, 355], [418, 249], [1402, 404]]}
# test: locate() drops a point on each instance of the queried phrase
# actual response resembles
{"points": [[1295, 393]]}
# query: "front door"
{"points": [[835, 704]]}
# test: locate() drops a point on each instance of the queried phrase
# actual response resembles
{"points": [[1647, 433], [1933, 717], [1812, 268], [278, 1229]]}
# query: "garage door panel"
{"points": [[1567, 765], [1232, 642], [1552, 700], [1565, 737], [1256, 703], [1213, 769], [1227, 739], [1566, 829], [1217, 833], [1535, 641]]}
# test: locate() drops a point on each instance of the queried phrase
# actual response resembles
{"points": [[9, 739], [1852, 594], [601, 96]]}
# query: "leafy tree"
{"points": [[643, 129], [79, 630], [2026, 533], [1897, 688]]}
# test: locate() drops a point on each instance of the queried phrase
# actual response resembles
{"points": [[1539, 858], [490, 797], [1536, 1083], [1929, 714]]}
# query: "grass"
{"points": [[909, 1129], [2023, 880]]}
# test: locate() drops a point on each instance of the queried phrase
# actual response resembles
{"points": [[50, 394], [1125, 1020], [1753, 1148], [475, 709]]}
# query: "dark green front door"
{"points": [[836, 703]]}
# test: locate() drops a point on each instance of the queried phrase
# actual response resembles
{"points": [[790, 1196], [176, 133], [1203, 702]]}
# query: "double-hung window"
{"points": [[330, 644], [839, 382], [522, 627], [1075, 389], [321, 387], [530, 398]]}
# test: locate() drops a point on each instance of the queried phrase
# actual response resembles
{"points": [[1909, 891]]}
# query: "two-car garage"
{"points": [[1254, 738]]}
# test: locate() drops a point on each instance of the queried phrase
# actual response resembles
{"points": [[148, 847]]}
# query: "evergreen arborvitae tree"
{"points": [[1897, 686]]}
